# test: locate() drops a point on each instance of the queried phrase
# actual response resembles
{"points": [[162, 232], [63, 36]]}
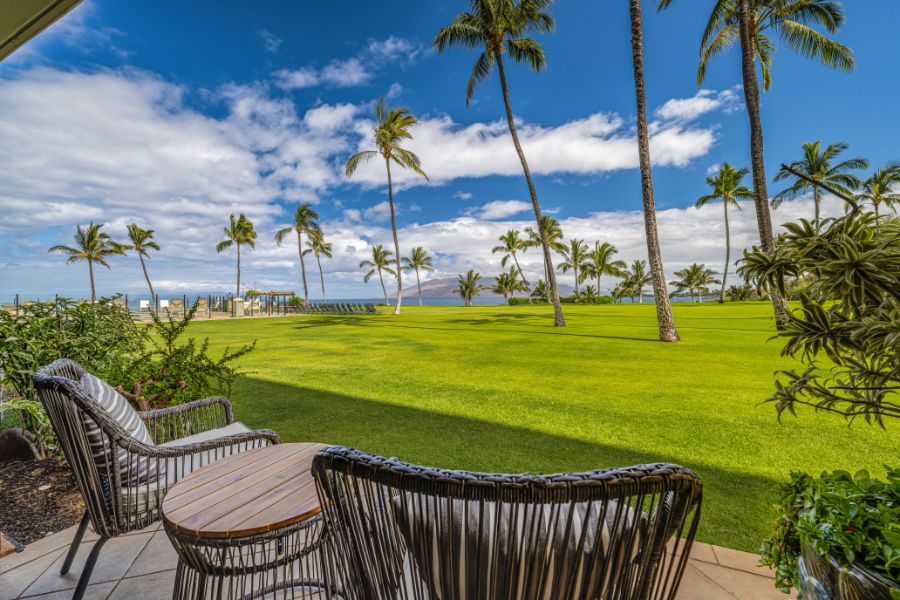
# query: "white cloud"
{"points": [[346, 73], [395, 91], [270, 40], [379, 212], [704, 101], [463, 196], [297, 78], [503, 209]]}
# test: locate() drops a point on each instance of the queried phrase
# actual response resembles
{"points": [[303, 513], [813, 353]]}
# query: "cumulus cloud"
{"points": [[704, 101], [503, 209], [463, 195]]}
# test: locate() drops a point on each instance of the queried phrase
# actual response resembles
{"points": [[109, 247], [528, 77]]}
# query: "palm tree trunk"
{"points": [[751, 99], [575, 270], [237, 294], [522, 275], [91, 273], [816, 201], [667, 331], [383, 289], [419, 286], [146, 276], [727, 253], [387, 163], [321, 278], [302, 268], [559, 319]]}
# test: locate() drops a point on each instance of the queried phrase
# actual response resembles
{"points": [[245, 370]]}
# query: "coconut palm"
{"points": [[695, 278], [498, 28], [469, 286], [391, 128], [317, 245], [510, 245], [600, 262], [727, 187], [507, 284], [554, 234], [418, 260], [91, 246], [240, 231], [381, 261], [304, 223], [590, 293], [882, 187], [540, 290], [638, 278], [141, 242], [751, 23], [576, 256], [665, 320], [818, 166]]}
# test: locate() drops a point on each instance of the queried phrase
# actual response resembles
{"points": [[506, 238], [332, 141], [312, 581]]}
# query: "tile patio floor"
{"points": [[141, 566]]}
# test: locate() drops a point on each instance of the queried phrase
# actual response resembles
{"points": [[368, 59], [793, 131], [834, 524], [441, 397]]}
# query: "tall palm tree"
{"points": [[600, 262], [540, 290], [639, 277], [317, 245], [751, 23], [91, 246], [665, 320], [817, 165], [882, 187], [695, 278], [510, 245], [304, 223], [552, 232], [498, 28], [507, 284], [576, 257], [726, 186], [418, 260], [381, 261], [141, 242], [391, 128], [240, 231], [469, 286]]}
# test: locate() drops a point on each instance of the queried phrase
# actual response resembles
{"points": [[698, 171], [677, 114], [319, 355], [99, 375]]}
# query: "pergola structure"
{"points": [[21, 20]]}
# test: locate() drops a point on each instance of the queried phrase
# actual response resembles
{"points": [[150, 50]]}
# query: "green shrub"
{"points": [[524, 301], [573, 299]]}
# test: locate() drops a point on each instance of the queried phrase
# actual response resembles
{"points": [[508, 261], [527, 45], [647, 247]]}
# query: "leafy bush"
{"points": [[574, 299], [524, 301], [740, 293], [848, 518]]}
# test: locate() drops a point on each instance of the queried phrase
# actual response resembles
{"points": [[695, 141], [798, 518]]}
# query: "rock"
{"points": [[15, 444]]}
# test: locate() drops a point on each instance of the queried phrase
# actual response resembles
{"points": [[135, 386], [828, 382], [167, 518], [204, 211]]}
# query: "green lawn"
{"points": [[500, 389]]}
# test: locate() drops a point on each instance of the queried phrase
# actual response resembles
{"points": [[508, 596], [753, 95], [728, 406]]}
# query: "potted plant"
{"points": [[838, 536]]}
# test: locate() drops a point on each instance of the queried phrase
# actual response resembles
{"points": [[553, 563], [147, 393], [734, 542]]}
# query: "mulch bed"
{"points": [[39, 497]]}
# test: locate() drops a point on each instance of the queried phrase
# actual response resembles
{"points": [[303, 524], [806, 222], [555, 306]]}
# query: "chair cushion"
{"points": [[121, 411], [551, 552]]}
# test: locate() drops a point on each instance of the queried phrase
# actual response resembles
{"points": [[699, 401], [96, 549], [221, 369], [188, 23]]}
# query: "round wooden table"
{"points": [[248, 526]]}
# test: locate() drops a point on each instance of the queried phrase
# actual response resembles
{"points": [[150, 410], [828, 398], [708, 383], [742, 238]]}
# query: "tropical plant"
{"points": [[665, 320], [539, 290], [739, 293], [695, 278], [498, 28], [142, 241], [728, 188], [510, 245], [850, 309], [240, 231], [381, 262], [304, 223], [623, 290], [552, 231], [418, 260], [600, 262], [391, 128], [882, 187], [469, 286], [576, 256], [751, 23], [91, 246], [507, 284], [317, 245], [638, 278], [590, 293], [819, 169]]}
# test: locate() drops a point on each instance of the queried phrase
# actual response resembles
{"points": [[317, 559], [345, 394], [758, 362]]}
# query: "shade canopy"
{"points": [[21, 20]]}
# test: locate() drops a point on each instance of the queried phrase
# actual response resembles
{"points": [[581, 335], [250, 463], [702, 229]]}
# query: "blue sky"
{"points": [[174, 115]]}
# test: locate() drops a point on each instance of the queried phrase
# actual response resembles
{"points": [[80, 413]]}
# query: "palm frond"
{"points": [[812, 44], [360, 157]]}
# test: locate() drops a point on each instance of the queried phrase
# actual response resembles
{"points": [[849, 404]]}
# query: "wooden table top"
{"points": [[245, 494]]}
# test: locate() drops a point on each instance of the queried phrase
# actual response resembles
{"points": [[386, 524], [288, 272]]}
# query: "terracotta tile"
{"points": [[15, 581], [742, 585]]}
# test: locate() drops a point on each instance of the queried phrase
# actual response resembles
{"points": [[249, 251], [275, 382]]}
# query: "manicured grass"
{"points": [[500, 389]]}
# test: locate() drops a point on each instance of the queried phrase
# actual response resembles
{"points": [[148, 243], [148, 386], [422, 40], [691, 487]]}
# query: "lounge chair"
{"points": [[10, 308], [407, 531], [177, 308], [125, 461], [143, 306], [163, 305], [203, 308]]}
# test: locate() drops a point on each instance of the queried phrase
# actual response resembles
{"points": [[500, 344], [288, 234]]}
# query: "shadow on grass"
{"points": [[736, 506]]}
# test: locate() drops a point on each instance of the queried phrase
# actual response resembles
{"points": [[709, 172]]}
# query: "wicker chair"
{"points": [[404, 531], [124, 481]]}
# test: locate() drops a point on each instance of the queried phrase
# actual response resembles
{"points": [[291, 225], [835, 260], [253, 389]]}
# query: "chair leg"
{"points": [[85, 578], [76, 541]]}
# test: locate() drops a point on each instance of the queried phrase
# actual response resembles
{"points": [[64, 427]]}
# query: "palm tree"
{"points": [[883, 187], [91, 246], [623, 290], [141, 242], [817, 165], [726, 186], [554, 234], [507, 284], [540, 290], [468, 287], [304, 223], [576, 257], [239, 231], [419, 260], [511, 245], [747, 22], [391, 128], [590, 293], [695, 278], [639, 277], [317, 245], [498, 28], [381, 261], [664, 318], [600, 263]]}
